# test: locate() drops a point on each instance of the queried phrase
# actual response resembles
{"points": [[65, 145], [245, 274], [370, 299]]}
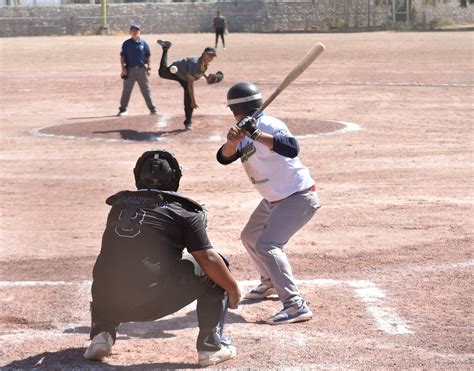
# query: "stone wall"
{"points": [[314, 16], [443, 12]]}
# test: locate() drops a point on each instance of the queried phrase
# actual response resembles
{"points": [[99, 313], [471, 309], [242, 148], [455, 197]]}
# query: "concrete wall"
{"points": [[444, 11], [318, 15]]}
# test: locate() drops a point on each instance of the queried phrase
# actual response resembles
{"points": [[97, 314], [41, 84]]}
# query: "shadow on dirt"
{"points": [[157, 329], [72, 359], [140, 136]]}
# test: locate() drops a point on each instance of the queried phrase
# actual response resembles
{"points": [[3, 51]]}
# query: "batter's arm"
{"points": [[229, 159], [228, 152]]}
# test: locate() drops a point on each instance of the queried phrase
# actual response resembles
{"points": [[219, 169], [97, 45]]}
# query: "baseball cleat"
{"points": [[100, 347], [209, 358], [291, 315], [262, 291], [164, 44]]}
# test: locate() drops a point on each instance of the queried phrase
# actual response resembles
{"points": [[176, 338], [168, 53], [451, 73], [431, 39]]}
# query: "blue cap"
{"points": [[135, 25]]}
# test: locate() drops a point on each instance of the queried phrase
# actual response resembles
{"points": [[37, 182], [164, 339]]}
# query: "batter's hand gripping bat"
{"points": [[297, 70]]}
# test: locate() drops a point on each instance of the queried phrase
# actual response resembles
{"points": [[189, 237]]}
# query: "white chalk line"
{"points": [[37, 133], [408, 84], [348, 127], [386, 319], [163, 122]]}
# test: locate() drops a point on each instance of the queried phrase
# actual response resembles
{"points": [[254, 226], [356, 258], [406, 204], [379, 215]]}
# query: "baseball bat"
{"points": [[297, 70]]}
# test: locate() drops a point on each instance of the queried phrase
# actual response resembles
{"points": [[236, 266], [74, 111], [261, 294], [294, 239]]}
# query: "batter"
{"points": [[268, 152]]}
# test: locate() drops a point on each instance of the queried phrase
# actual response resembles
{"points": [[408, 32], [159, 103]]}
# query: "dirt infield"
{"points": [[384, 121]]}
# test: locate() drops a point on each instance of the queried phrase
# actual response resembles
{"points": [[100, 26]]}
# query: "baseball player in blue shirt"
{"points": [[135, 64]]}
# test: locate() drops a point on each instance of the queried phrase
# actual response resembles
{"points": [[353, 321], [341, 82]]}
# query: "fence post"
{"points": [[104, 29]]}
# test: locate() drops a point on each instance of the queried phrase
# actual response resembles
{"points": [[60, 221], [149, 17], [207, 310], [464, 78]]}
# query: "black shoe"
{"points": [[122, 112], [164, 44]]}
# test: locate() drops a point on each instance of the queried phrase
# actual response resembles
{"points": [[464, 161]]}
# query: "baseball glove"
{"points": [[214, 78]]}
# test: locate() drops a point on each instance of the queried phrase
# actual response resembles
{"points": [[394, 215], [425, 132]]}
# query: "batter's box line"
{"points": [[386, 319]]}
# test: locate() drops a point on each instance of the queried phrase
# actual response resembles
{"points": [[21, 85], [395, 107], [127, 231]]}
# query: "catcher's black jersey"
{"points": [[145, 236]]}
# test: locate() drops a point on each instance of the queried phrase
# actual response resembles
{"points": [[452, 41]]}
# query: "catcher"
{"points": [[185, 71], [141, 273]]}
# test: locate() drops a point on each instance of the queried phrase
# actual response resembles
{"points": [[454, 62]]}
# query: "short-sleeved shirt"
{"points": [[145, 236], [274, 176], [192, 66], [135, 53], [219, 22]]}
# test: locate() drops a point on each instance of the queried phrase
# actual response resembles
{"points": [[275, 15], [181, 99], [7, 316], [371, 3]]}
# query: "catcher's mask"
{"points": [[243, 97], [157, 170]]}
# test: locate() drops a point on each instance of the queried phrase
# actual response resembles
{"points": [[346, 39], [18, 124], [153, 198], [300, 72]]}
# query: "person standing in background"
{"points": [[135, 63], [220, 27]]}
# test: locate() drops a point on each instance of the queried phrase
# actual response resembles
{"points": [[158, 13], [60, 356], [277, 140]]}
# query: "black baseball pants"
{"points": [[220, 32], [182, 286], [164, 72]]}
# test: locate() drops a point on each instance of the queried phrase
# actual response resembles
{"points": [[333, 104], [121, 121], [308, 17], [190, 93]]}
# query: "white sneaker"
{"points": [[122, 113], [100, 347], [208, 358], [262, 291]]}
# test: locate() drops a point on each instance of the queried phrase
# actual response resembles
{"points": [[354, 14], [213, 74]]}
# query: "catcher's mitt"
{"points": [[214, 78]]}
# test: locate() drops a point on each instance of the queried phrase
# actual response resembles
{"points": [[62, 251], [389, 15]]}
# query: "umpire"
{"points": [[135, 63], [141, 273]]}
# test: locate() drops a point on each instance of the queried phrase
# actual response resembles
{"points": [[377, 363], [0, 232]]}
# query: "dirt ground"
{"points": [[385, 124]]}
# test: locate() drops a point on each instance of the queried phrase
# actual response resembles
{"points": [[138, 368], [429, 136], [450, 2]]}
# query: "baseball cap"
{"points": [[135, 25], [210, 50]]}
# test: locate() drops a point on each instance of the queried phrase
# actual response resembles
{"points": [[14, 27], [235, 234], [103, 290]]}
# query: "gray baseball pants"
{"points": [[137, 74], [269, 228]]}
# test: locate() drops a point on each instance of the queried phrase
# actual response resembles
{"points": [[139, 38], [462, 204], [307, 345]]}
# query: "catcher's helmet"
{"points": [[157, 169], [244, 97]]}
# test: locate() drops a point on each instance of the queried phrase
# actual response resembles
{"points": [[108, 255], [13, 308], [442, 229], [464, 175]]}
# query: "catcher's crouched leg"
{"points": [[214, 302]]}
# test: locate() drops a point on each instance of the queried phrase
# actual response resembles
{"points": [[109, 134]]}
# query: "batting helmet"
{"points": [[157, 169], [244, 97]]}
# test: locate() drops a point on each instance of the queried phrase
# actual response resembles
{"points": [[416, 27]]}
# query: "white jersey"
{"points": [[274, 176]]}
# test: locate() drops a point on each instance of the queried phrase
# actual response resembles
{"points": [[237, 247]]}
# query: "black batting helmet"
{"points": [[157, 169], [244, 97]]}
